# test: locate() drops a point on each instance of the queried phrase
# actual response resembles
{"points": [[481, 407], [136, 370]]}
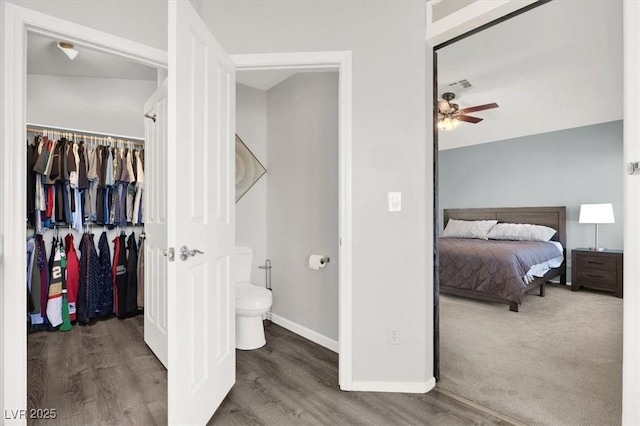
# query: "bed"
{"points": [[494, 270]]}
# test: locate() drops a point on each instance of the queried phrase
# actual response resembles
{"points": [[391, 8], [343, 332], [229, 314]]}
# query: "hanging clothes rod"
{"points": [[83, 134]]}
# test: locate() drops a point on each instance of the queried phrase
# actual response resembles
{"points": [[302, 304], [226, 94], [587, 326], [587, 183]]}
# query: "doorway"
{"points": [[491, 198], [14, 123], [288, 120]]}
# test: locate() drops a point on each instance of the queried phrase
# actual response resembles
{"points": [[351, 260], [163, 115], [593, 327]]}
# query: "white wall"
{"points": [[302, 199], [105, 105], [251, 209], [392, 257], [144, 21]]}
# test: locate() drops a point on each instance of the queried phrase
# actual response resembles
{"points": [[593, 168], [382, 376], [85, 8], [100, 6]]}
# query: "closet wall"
{"points": [[106, 105]]}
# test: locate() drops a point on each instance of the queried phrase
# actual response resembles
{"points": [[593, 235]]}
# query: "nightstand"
{"points": [[600, 270]]}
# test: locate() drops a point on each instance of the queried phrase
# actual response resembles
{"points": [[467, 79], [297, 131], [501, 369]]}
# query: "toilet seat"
{"points": [[252, 297]]}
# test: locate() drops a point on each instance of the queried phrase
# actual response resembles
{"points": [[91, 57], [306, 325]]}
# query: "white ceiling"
{"points": [[555, 67], [44, 57], [264, 79]]}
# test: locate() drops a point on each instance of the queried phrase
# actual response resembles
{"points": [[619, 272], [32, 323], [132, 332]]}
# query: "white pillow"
{"points": [[521, 232], [468, 228]]}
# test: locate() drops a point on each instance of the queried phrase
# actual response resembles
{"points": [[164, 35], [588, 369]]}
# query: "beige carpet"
{"points": [[556, 362]]}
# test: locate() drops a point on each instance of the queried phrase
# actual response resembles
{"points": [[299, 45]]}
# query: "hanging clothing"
{"points": [[120, 275], [140, 272], [89, 275], [137, 207], [43, 267], [92, 192], [132, 277], [105, 281], [32, 156], [54, 302], [73, 275], [33, 281]]}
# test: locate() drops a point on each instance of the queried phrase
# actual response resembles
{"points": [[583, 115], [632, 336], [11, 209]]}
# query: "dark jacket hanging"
{"points": [[89, 276], [44, 277], [132, 277], [120, 278], [105, 282]]}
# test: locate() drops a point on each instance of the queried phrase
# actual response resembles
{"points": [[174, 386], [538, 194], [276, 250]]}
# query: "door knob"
{"points": [[185, 253]]}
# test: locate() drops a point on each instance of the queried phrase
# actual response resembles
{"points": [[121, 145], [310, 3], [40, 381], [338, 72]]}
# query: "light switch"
{"points": [[395, 201]]}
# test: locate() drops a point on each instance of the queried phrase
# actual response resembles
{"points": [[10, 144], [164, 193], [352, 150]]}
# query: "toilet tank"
{"points": [[242, 264]]}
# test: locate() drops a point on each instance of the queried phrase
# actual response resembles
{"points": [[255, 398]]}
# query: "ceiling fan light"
{"points": [[68, 49], [443, 106]]}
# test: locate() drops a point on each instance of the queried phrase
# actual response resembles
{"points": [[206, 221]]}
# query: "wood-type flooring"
{"points": [[104, 374]]}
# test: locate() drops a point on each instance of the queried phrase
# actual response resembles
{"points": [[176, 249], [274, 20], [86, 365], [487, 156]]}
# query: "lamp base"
{"points": [[597, 249]]}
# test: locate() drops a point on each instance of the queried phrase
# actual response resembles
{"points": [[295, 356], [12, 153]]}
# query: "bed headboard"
{"points": [[554, 217]]}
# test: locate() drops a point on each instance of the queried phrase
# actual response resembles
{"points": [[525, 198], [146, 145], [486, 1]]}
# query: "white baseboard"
{"points": [[300, 330], [397, 387]]}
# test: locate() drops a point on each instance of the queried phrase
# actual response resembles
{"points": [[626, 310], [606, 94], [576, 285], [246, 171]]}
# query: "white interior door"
{"points": [[201, 211], [155, 271]]}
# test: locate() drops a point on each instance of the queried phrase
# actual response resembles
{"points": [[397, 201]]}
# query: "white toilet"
{"points": [[252, 302]]}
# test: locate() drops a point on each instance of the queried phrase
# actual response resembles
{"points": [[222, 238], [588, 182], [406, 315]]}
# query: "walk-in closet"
{"points": [[87, 360]]}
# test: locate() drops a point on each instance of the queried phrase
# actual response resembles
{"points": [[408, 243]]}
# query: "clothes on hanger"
{"points": [[140, 271], [132, 277], [73, 275], [89, 276], [54, 302], [70, 182], [105, 281], [120, 275]]}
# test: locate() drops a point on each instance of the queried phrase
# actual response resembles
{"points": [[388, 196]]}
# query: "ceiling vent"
{"points": [[460, 85]]}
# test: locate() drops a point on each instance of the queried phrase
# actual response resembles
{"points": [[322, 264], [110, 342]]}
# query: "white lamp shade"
{"points": [[596, 213]]}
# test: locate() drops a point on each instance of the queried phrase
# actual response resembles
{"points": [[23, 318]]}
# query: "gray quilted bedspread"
{"points": [[492, 267]]}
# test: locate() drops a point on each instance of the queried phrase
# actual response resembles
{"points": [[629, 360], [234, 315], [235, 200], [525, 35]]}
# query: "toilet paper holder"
{"points": [[318, 261]]}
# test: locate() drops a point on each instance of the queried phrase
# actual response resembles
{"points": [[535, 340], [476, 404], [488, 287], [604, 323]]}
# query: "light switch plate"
{"points": [[395, 201]]}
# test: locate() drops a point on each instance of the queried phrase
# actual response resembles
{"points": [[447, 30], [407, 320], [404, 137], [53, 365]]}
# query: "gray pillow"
{"points": [[468, 228], [521, 232]]}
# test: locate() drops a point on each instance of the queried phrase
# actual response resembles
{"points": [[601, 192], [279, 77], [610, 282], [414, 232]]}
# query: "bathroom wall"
{"points": [[302, 199], [251, 216], [392, 256]]}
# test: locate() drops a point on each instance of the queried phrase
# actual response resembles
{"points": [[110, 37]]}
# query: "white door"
{"points": [[201, 211], [155, 222]]}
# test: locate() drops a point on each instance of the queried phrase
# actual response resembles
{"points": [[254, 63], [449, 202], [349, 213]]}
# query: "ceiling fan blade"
{"points": [[479, 108], [469, 119]]}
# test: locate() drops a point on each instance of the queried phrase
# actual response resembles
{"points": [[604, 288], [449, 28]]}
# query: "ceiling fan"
{"points": [[449, 115]]}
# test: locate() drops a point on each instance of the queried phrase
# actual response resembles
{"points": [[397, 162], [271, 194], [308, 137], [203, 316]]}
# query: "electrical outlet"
{"points": [[394, 334]]}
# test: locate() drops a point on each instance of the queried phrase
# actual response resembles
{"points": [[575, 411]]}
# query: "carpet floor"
{"points": [[556, 362]]}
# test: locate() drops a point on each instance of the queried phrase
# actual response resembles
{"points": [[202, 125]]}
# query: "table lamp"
{"points": [[596, 213]]}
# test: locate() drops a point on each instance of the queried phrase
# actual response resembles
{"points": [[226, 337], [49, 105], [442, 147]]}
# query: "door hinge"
{"points": [[170, 253]]}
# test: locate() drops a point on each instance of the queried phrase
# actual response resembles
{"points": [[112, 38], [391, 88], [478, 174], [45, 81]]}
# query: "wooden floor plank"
{"points": [[105, 374]]}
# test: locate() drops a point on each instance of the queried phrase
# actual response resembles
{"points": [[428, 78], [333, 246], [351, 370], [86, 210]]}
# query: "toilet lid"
{"points": [[249, 296]]}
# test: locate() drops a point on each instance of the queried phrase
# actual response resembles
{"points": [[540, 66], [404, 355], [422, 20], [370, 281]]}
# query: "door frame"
{"points": [[468, 22], [17, 22], [339, 61]]}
